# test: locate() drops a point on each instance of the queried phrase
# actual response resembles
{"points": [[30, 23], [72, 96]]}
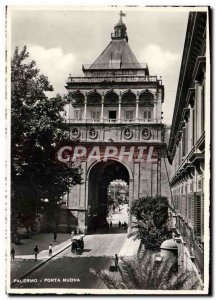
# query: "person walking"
{"points": [[110, 224], [36, 251], [72, 234], [54, 236], [12, 254], [50, 249], [116, 261], [119, 224]]}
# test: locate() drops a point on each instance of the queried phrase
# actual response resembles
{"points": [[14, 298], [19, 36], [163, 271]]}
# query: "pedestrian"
{"points": [[54, 236], [125, 225], [119, 224], [12, 254], [36, 251], [116, 260], [72, 234], [50, 249], [110, 224]]}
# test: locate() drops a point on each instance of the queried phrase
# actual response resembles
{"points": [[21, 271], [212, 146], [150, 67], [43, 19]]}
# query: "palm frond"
{"points": [[148, 274]]}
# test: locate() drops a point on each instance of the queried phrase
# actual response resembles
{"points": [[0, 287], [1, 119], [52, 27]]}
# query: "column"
{"points": [[137, 108], [102, 108], [196, 111], [119, 110], [158, 106], [85, 108], [198, 97], [130, 219], [155, 111]]}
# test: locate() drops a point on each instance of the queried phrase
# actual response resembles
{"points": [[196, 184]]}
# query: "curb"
{"points": [[41, 263]]}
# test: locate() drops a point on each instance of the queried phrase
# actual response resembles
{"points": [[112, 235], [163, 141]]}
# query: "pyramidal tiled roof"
{"points": [[117, 55]]}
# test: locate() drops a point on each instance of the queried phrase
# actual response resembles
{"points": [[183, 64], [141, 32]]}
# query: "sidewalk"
{"points": [[42, 240], [24, 257], [130, 248]]}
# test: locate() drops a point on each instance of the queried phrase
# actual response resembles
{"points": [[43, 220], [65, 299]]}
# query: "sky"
{"points": [[60, 41]]}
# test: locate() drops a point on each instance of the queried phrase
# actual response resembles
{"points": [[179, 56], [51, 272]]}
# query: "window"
{"points": [[95, 115], [129, 115], [148, 114], [198, 216], [112, 114], [78, 114]]}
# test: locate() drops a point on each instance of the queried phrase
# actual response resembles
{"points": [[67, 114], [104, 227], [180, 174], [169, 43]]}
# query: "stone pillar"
{"points": [[85, 108], [159, 107], [119, 110], [198, 98], [169, 250], [102, 109], [130, 204], [155, 111], [137, 108], [196, 111]]}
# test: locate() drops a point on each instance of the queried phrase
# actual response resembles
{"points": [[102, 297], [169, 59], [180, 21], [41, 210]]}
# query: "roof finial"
{"points": [[122, 15]]}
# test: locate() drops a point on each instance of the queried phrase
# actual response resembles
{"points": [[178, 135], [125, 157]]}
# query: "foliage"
{"points": [[157, 207], [37, 133], [152, 220], [147, 274], [149, 234]]}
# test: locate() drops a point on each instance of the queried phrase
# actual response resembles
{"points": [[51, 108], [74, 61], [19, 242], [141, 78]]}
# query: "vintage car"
{"points": [[77, 245]]}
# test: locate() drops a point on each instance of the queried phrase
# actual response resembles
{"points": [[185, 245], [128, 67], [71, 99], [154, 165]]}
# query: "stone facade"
{"points": [[118, 104], [186, 148]]}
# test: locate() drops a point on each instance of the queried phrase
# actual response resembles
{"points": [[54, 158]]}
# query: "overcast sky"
{"points": [[61, 41]]}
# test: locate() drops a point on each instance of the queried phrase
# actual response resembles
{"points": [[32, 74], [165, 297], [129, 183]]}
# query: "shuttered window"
{"points": [[95, 115], [129, 115], [198, 216], [78, 114], [147, 114]]}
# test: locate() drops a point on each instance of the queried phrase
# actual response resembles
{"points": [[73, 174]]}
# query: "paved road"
{"points": [[69, 270], [117, 216]]}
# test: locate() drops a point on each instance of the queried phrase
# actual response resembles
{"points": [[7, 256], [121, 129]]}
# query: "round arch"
{"points": [[109, 158], [99, 176], [146, 98], [128, 98], [76, 98], [128, 91], [94, 98], [111, 99]]}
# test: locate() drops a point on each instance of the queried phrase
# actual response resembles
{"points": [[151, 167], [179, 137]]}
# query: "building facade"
{"points": [[186, 149], [115, 110]]}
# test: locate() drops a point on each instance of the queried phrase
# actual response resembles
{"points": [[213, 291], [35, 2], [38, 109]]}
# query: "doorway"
{"points": [[100, 178]]}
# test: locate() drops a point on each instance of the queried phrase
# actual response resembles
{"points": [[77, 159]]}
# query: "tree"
{"points": [[147, 274], [151, 225], [157, 207], [37, 133]]}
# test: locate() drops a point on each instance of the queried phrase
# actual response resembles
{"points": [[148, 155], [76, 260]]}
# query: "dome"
{"points": [[120, 24], [169, 245]]}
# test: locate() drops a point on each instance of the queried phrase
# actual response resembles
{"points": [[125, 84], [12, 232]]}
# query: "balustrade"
{"points": [[106, 121], [113, 79]]}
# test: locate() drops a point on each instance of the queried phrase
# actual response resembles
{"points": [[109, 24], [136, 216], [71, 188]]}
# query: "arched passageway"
{"points": [[100, 177]]}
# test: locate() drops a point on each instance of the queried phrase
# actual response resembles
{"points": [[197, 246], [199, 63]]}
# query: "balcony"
{"points": [[113, 121], [195, 248], [112, 79]]}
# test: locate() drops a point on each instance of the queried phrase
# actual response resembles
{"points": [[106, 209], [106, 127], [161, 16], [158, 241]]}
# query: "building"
{"points": [[186, 149], [115, 111]]}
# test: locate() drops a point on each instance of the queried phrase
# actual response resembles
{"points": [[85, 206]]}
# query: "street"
{"points": [[68, 270]]}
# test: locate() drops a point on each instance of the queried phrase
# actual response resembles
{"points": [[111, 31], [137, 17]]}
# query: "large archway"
{"points": [[99, 179]]}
